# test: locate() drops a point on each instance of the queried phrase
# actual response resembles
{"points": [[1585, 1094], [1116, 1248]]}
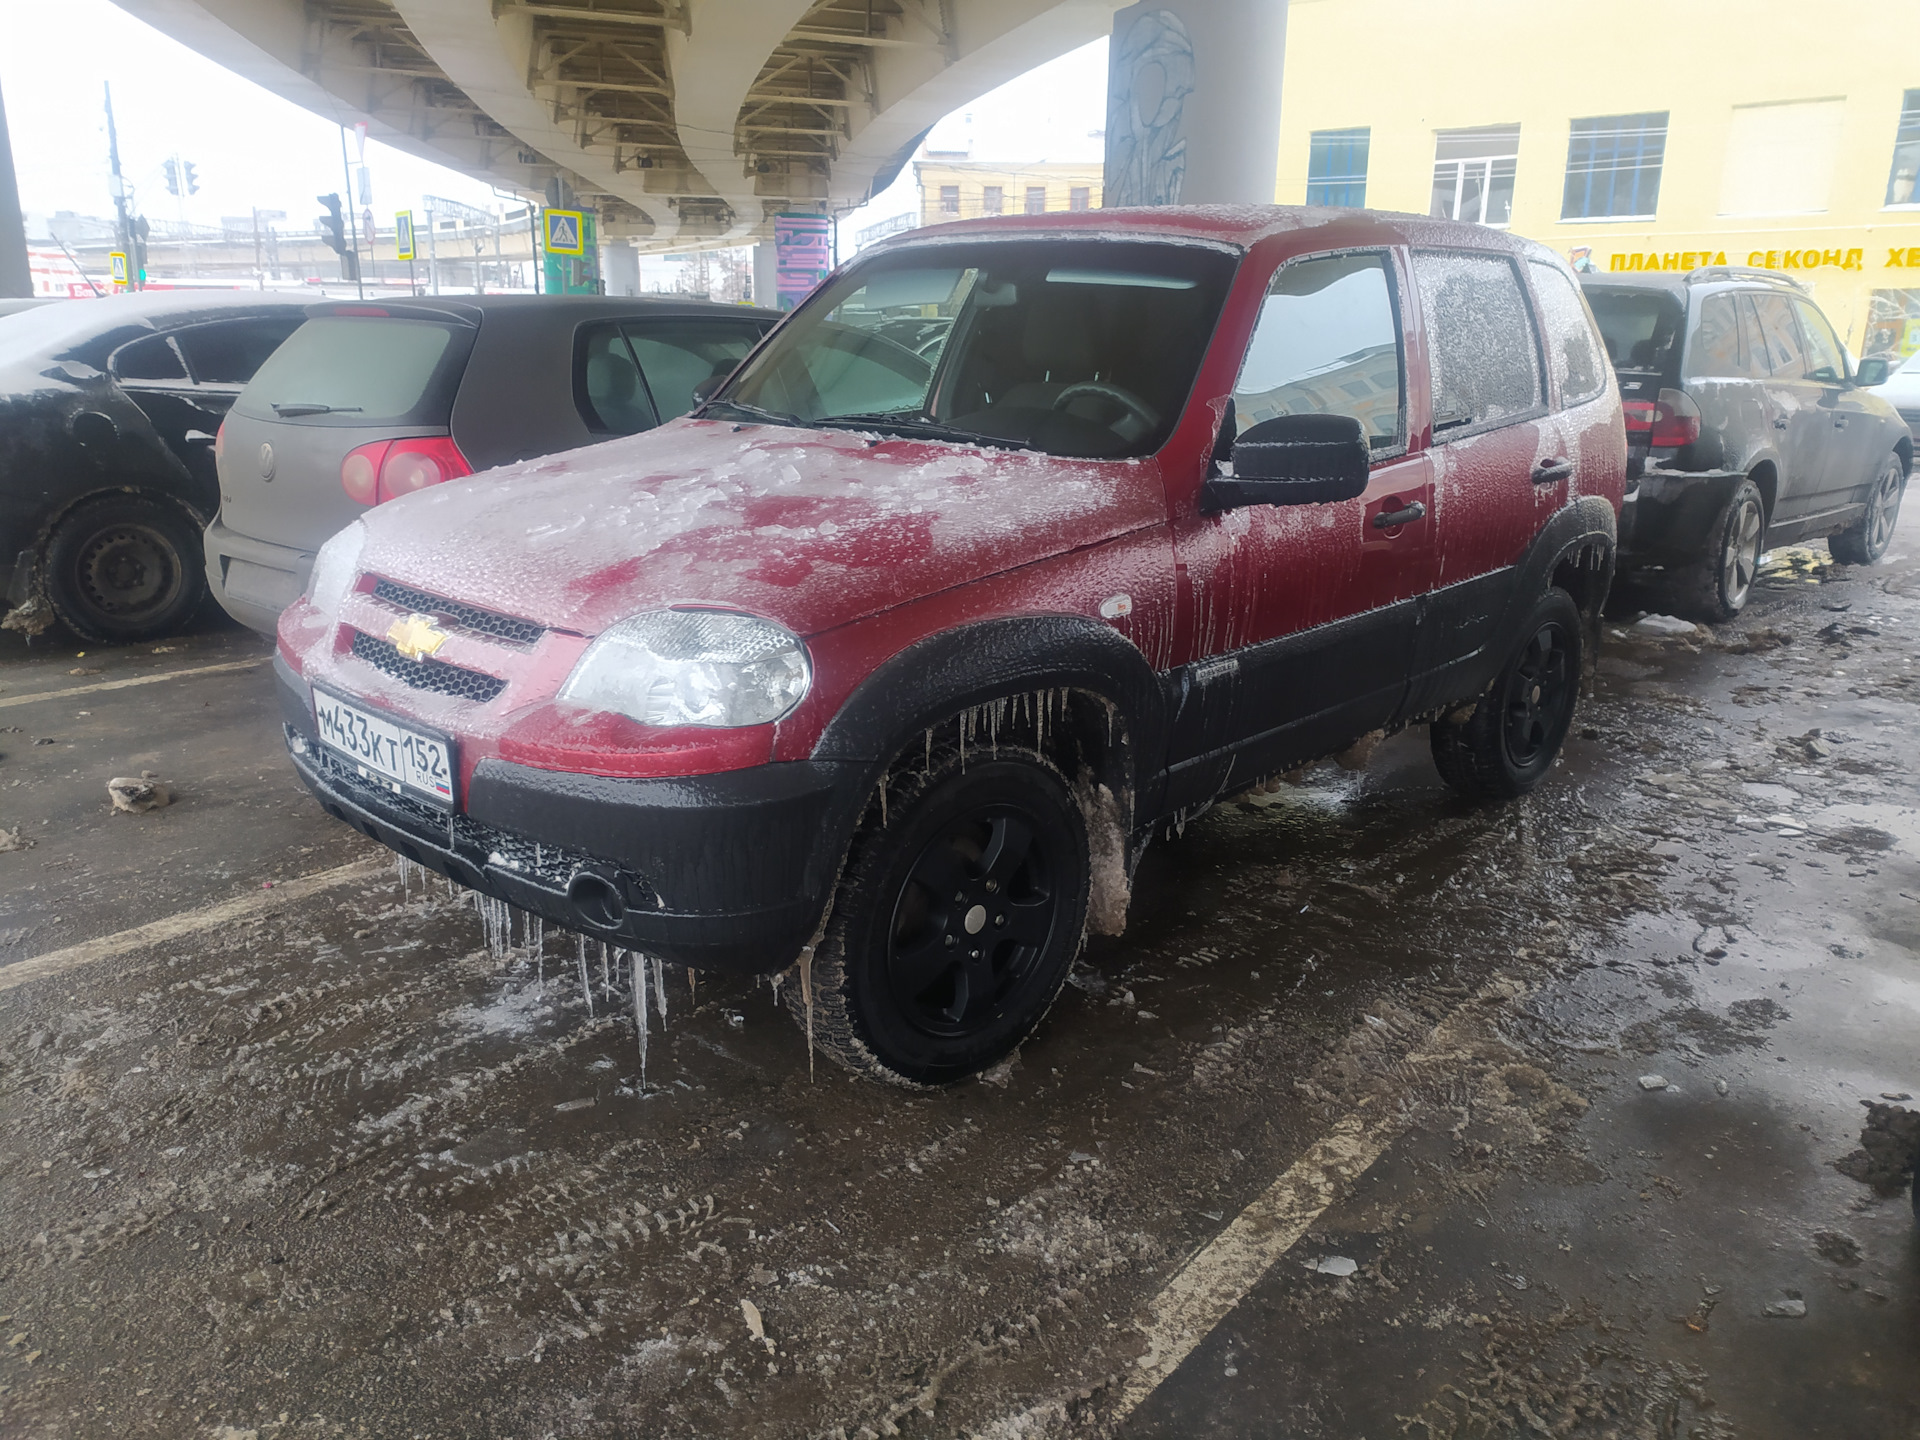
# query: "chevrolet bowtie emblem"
{"points": [[416, 637]]}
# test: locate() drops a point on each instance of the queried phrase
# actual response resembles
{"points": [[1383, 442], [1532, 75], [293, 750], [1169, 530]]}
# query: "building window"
{"points": [[1893, 323], [1337, 167], [1036, 200], [1901, 189], [949, 199], [1613, 167], [1080, 197], [1473, 174], [1780, 158], [992, 199]]}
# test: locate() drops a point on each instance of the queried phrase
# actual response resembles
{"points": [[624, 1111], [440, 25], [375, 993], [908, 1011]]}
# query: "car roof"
{"points": [[477, 307], [50, 330], [1237, 227], [1678, 285]]}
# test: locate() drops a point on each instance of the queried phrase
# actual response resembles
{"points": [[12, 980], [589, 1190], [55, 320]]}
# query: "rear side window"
{"points": [[364, 369], [613, 398], [1825, 360], [153, 358], [1573, 354], [1726, 343], [1639, 327], [1327, 343], [231, 351], [676, 355], [1780, 336], [1481, 346]]}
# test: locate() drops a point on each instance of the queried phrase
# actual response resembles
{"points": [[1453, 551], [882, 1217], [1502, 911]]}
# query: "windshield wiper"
{"points": [[914, 425], [295, 408], [752, 412]]}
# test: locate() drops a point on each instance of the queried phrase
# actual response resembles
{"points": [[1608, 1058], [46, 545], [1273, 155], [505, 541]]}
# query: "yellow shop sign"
{"points": [[1809, 259]]}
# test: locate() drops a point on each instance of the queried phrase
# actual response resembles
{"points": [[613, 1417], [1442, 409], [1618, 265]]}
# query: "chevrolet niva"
{"points": [[889, 662]]}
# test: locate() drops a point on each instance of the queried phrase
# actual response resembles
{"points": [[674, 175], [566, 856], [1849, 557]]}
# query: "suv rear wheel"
{"points": [[956, 922], [1866, 542], [1508, 743], [1719, 585], [124, 567]]}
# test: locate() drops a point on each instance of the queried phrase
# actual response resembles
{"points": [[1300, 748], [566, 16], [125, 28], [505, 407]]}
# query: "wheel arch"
{"points": [[1765, 476]]}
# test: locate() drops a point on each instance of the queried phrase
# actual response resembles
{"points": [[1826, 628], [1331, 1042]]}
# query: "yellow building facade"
{"points": [[1642, 135], [953, 188]]}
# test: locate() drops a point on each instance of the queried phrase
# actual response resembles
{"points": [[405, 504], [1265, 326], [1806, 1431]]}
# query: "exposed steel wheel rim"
{"points": [[972, 921], [1540, 695], [129, 571], [1883, 510], [1741, 559]]}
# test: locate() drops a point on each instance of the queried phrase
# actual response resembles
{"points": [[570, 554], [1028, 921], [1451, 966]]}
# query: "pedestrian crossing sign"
{"points": [[118, 264], [403, 235], [565, 229]]}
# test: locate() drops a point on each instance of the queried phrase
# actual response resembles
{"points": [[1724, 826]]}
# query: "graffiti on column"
{"points": [[1148, 82]]}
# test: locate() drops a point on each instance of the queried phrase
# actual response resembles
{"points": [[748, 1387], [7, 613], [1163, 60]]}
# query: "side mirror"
{"points": [[1870, 372], [1293, 460]]}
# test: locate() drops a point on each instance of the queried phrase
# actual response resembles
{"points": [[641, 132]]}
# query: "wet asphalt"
{"points": [[335, 1167]]}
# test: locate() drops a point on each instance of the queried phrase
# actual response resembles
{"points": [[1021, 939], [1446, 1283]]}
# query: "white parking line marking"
{"points": [[189, 922], [9, 700]]}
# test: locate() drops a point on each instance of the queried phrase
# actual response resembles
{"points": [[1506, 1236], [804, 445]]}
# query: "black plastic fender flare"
{"points": [[1588, 522]]}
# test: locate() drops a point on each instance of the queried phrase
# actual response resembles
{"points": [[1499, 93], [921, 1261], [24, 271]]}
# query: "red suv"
{"points": [[892, 657]]}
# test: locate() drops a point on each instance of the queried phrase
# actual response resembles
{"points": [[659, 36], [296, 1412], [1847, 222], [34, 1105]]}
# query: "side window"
{"points": [[1825, 359], [1482, 350], [1751, 339], [1327, 343], [677, 355], [1719, 349], [1780, 336], [153, 358], [1572, 350], [612, 397], [229, 352]]}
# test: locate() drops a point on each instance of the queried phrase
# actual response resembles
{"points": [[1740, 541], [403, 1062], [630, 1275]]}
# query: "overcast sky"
{"points": [[254, 149]]}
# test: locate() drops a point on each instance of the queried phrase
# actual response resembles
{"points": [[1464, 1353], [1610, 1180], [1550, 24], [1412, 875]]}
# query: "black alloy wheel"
{"points": [[1866, 542], [956, 921], [1509, 740], [124, 567]]}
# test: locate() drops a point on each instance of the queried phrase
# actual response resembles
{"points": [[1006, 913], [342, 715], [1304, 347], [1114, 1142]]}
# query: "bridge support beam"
{"points": [[1193, 102]]}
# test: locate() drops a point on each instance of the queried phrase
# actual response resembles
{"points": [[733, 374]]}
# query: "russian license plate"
{"points": [[385, 752]]}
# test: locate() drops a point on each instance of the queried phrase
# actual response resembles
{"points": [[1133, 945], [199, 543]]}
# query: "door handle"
{"points": [[1840, 422], [1545, 472], [1387, 519]]}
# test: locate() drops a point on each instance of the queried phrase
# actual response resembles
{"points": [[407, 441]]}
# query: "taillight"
{"points": [[1639, 416], [1676, 421], [383, 469], [219, 443]]}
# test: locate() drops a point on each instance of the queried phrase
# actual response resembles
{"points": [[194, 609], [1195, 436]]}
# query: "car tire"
{"points": [[979, 848], [1506, 744], [1717, 588], [1866, 542], [124, 567]]}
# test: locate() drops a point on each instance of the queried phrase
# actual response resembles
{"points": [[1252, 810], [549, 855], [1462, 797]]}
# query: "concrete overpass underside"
{"points": [[684, 123]]}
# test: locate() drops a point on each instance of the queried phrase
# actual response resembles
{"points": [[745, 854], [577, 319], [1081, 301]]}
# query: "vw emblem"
{"points": [[266, 462]]}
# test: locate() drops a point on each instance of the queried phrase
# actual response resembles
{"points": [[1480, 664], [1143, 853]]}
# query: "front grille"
{"points": [[423, 819], [467, 617], [435, 675]]}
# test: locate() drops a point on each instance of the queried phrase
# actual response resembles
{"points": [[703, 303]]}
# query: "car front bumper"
{"points": [[1669, 517], [254, 580], [728, 872]]}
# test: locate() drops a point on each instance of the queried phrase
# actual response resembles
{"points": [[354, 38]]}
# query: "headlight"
{"points": [[334, 569], [692, 667]]}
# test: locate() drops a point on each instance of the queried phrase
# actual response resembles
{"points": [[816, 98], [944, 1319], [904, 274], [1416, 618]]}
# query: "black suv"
{"points": [[1745, 428]]}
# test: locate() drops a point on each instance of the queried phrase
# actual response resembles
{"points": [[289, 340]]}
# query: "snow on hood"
{"points": [[810, 528]]}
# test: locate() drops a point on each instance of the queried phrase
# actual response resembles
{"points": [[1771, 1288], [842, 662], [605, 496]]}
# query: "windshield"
{"points": [[361, 369], [1075, 348], [1639, 325]]}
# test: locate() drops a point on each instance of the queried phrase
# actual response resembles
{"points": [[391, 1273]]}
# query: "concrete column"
{"points": [[16, 279], [619, 268], [1193, 102]]}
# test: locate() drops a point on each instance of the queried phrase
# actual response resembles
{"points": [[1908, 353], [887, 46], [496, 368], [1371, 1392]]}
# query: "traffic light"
{"points": [[333, 225], [172, 169], [188, 178]]}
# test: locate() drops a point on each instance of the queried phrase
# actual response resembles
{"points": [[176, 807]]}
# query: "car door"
{"points": [[1501, 463], [1301, 617], [676, 354], [1803, 426], [1855, 444], [187, 379]]}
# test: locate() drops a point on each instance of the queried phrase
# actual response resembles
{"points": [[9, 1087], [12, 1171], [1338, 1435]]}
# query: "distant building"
{"points": [[1771, 145], [957, 189]]}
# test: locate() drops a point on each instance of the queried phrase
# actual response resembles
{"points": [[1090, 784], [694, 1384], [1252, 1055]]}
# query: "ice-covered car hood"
{"points": [[809, 528]]}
